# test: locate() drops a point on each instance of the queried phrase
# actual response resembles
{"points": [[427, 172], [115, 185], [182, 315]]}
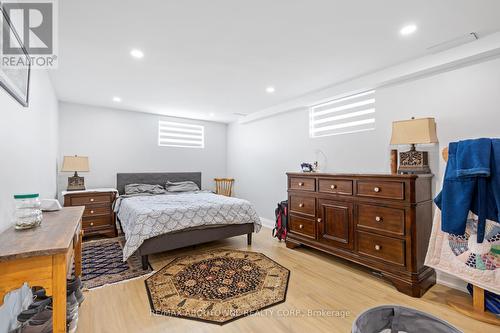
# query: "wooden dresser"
{"points": [[380, 221], [98, 217]]}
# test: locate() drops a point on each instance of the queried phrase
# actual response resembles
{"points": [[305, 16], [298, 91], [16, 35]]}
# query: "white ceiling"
{"points": [[219, 56]]}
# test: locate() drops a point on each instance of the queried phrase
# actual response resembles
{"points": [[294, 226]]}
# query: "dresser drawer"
{"points": [[385, 219], [381, 189], [302, 184], [96, 210], [98, 216], [302, 226], [96, 222], [337, 186], [302, 204], [89, 199], [388, 249]]}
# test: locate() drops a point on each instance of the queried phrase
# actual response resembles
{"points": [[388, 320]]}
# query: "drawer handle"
{"points": [[378, 219], [301, 226], [301, 205], [376, 189], [319, 220], [301, 184], [91, 224], [378, 247], [333, 187], [91, 199], [91, 212]]}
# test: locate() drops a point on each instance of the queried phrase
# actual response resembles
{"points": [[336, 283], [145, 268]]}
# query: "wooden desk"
{"points": [[42, 257]]}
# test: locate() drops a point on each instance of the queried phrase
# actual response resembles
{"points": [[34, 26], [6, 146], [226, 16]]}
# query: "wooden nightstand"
{"points": [[98, 217]]}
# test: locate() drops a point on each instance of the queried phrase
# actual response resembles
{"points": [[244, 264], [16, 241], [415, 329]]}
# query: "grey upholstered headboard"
{"points": [[154, 178]]}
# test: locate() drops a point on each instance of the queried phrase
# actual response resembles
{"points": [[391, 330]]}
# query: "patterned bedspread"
{"points": [[463, 257], [144, 217]]}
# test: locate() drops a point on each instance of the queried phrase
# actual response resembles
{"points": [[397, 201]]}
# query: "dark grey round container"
{"points": [[398, 319]]}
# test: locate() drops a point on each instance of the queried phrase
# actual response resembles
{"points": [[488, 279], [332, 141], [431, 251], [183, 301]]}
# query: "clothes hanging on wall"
{"points": [[471, 183]]}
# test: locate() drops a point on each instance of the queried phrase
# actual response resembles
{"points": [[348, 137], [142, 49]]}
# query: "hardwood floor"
{"points": [[318, 282]]}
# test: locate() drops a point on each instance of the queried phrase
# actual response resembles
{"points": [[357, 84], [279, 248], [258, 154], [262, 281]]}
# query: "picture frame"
{"points": [[15, 80]]}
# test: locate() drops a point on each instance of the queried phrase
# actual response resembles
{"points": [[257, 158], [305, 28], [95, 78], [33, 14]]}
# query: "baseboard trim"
{"points": [[451, 281], [442, 278], [267, 223]]}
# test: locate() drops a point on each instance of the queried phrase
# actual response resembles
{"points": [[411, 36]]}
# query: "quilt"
{"points": [[465, 258]]}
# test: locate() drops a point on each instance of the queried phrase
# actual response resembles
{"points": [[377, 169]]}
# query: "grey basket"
{"points": [[396, 319]]}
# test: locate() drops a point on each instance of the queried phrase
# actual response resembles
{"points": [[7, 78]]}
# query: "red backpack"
{"points": [[281, 228]]}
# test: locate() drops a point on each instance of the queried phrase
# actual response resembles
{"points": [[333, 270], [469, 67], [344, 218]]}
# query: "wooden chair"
{"points": [[224, 186]]}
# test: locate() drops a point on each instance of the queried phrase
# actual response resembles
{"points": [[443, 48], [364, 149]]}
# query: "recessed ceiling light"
{"points": [[270, 90], [117, 99], [136, 53], [408, 29], [211, 114]]}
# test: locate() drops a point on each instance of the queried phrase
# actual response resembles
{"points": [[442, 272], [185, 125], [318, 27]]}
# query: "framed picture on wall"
{"points": [[15, 67]]}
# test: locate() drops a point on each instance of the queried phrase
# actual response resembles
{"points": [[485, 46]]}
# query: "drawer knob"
{"points": [[91, 199], [91, 224], [378, 219], [333, 187], [91, 212], [301, 184], [378, 247], [319, 220], [301, 226], [301, 205], [376, 189]]}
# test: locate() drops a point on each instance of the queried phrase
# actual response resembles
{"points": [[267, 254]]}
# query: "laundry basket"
{"points": [[398, 319]]}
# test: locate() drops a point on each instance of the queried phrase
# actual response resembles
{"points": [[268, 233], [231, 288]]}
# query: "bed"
{"points": [[159, 223]]}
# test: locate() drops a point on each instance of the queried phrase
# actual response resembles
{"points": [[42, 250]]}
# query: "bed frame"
{"points": [[179, 239]]}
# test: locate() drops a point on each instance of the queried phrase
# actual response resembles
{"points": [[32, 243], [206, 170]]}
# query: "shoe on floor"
{"points": [[71, 304], [33, 310], [75, 285], [45, 301], [40, 326]]}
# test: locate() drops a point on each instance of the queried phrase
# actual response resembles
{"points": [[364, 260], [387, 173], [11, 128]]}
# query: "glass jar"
{"points": [[27, 212]]}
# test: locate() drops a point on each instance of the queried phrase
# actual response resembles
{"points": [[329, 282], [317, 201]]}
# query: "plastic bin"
{"points": [[399, 319]]}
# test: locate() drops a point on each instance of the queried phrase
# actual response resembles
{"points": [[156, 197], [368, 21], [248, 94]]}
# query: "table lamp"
{"points": [[75, 164], [412, 132]]}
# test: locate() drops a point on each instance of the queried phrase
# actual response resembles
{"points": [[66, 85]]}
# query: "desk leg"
{"points": [[78, 254], [59, 293]]}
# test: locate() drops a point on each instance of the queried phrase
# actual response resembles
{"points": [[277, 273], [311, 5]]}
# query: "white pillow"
{"points": [[144, 188], [185, 186]]}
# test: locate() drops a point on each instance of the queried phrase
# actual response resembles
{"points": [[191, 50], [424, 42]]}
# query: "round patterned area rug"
{"points": [[217, 286]]}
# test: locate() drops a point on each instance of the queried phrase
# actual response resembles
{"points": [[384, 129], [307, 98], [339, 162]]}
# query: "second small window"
{"points": [[355, 113], [172, 134]]}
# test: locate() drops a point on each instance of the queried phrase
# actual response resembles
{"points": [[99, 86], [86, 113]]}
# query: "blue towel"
{"points": [[494, 184], [456, 196], [471, 183], [473, 158]]}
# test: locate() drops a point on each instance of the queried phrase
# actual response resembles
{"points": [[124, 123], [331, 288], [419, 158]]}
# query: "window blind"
{"points": [[173, 134], [351, 114]]}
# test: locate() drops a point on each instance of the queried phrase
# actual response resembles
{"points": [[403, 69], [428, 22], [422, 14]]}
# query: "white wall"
{"points": [[28, 145], [122, 141], [465, 103]]}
